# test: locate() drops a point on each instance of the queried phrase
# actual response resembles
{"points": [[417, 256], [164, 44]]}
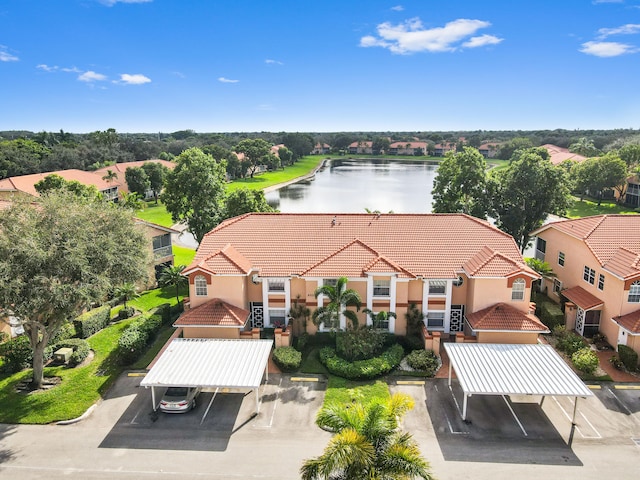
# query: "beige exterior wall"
{"points": [[507, 337], [633, 341], [459, 294], [231, 289], [210, 332], [485, 292], [577, 256]]}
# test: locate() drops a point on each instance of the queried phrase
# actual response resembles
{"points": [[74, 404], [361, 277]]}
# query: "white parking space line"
{"points": [[455, 432], [273, 412], [514, 415], [566, 414], [626, 409]]}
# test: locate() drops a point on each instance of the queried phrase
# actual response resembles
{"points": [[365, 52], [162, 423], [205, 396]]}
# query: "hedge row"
{"points": [[551, 315], [136, 336], [17, 352], [362, 369], [92, 321], [288, 359], [628, 357], [425, 360]]}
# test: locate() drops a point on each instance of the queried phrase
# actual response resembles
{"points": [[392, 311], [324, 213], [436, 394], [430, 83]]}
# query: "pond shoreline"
{"points": [[301, 178]]}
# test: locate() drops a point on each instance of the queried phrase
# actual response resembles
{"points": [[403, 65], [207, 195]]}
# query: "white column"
{"points": [[287, 300], [392, 303], [425, 296], [369, 293], [447, 306], [265, 302]]}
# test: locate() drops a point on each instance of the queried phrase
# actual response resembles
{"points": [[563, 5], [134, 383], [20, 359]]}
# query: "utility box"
{"points": [[63, 355]]}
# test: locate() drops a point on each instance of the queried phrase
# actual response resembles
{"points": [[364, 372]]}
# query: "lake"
{"points": [[352, 186]]}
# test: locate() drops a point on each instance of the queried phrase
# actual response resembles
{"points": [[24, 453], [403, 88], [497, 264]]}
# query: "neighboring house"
{"points": [[488, 150], [557, 155], [632, 195], [361, 147], [408, 148], [249, 271], [441, 149], [597, 263], [120, 168], [161, 246], [25, 184], [321, 149]]}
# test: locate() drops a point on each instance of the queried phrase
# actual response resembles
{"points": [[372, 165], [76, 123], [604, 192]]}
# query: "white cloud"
{"points": [[596, 2], [411, 36], [227, 80], [56, 68], [135, 79], [607, 49], [628, 29], [47, 68], [91, 76], [269, 61], [179, 74], [111, 3], [397, 8], [5, 56], [481, 41]]}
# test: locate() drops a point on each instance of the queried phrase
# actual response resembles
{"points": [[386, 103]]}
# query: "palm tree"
{"points": [[126, 292], [299, 314], [541, 267], [367, 443], [131, 201], [381, 319], [172, 276], [110, 176], [340, 297]]}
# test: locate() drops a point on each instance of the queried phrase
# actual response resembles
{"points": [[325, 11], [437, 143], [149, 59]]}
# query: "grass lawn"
{"points": [[183, 255], [153, 298], [587, 208], [348, 391], [155, 214], [302, 167], [80, 387], [162, 337], [311, 362]]}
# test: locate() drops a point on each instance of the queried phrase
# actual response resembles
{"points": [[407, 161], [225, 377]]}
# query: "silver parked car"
{"points": [[179, 399]]}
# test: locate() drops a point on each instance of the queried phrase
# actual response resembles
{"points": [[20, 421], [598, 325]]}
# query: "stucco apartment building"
{"points": [[461, 272], [597, 263]]}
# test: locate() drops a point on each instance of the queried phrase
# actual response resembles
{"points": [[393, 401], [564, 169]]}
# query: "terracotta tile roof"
{"points": [[403, 145], [26, 183], [613, 240], [502, 316], [120, 168], [558, 155], [225, 261], [488, 263], [361, 144], [630, 321], [582, 298], [426, 245], [214, 313]]}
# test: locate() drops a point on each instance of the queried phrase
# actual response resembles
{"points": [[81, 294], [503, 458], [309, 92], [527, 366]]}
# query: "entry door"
{"points": [[580, 321], [257, 315], [622, 336], [456, 322]]}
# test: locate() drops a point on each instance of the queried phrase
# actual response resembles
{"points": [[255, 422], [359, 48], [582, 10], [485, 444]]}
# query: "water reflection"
{"points": [[347, 185]]}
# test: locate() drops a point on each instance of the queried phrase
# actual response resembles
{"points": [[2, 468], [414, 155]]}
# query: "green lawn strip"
{"points": [[183, 255], [155, 213], [348, 391], [311, 362], [153, 349], [80, 387], [587, 208], [156, 297], [302, 167]]}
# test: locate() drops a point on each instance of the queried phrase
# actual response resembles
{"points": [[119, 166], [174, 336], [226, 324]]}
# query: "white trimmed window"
{"points": [[437, 287], [330, 282], [458, 282], [634, 292], [561, 259], [276, 285], [381, 288], [200, 283], [517, 290], [541, 248], [557, 286], [277, 317], [435, 320], [589, 275], [601, 282]]}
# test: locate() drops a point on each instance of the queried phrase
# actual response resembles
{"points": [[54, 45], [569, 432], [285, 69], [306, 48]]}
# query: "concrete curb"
{"points": [[80, 418]]}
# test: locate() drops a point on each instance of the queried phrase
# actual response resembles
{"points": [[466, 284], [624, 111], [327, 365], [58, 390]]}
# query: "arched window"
{"points": [[634, 292], [201, 286], [517, 290]]}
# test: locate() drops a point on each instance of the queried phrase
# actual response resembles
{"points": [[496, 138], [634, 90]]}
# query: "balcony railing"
{"points": [[162, 252]]}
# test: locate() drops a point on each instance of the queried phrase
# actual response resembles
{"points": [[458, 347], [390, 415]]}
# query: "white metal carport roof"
{"points": [[210, 363], [508, 369]]}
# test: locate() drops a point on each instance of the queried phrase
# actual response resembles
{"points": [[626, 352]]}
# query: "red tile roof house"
{"points": [[440, 150], [321, 149], [488, 150], [249, 271], [560, 154], [597, 263], [361, 147], [408, 148], [120, 168]]}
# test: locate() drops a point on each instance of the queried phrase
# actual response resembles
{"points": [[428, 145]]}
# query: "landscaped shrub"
{"points": [[585, 360], [136, 336], [617, 364], [568, 342], [80, 349], [125, 313], [149, 325], [425, 360], [323, 339], [66, 331], [628, 357], [359, 343], [302, 341], [411, 343], [16, 353], [551, 315], [362, 369], [288, 359], [164, 311], [92, 321]]}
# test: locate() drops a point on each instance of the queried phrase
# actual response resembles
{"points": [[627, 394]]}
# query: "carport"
{"points": [[210, 363], [507, 369]]}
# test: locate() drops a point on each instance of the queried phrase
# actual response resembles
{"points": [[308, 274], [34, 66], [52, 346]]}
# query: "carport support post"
{"points": [[257, 400], [153, 397], [575, 408], [464, 406], [449, 373]]}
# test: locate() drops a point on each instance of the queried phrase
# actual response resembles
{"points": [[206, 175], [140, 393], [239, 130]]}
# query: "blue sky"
{"points": [[325, 66]]}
